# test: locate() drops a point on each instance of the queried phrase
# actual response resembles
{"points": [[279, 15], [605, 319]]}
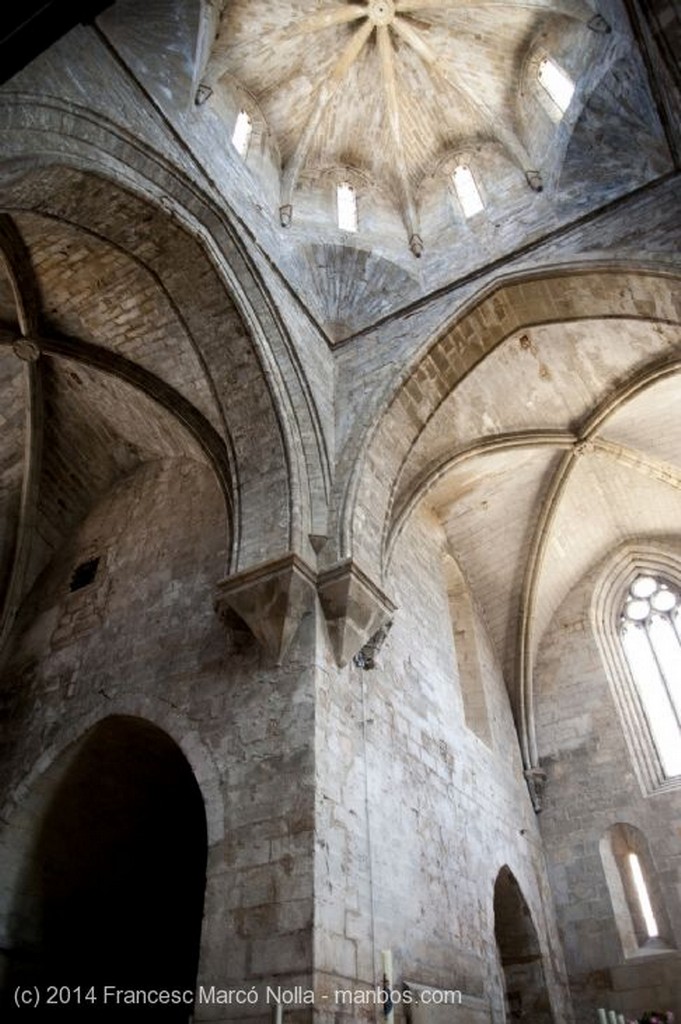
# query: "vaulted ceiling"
{"points": [[539, 390], [537, 459], [77, 316], [391, 96]]}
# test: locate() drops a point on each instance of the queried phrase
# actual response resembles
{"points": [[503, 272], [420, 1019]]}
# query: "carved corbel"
{"points": [[536, 782], [355, 609], [272, 599]]}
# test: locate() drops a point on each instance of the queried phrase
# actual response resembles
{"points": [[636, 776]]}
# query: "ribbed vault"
{"points": [[118, 345], [393, 97], [433, 77], [545, 455], [81, 415]]}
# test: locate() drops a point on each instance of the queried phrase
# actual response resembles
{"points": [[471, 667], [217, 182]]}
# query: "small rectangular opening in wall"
{"points": [[241, 136], [557, 84], [84, 574], [346, 205]]}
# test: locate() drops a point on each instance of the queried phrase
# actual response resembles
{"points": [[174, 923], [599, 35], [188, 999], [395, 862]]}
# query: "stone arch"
{"points": [[294, 444], [411, 447], [616, 574], [382, 473], [520, 954], [158, 713], [107, 829], [618, 843]]}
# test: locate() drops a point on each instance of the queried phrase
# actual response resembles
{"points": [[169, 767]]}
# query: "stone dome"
{"points": [[393, 94], [391, 98]]}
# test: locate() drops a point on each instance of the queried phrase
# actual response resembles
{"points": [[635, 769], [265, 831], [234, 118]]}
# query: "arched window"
{"points": [[638, 902], [467, 191], [636, 617], [346, 207], [558, 85], [243, 129], [650, 631]]}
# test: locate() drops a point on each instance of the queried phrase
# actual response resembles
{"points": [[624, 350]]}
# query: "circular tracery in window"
{"points": [[650, 632], [647, 595]]}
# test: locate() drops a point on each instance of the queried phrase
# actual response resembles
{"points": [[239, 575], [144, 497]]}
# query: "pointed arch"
{"points": [[618, 574], [107, 863], [520, 954], [292, 437]]}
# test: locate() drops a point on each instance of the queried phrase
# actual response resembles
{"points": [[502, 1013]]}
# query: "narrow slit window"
{"points": [[346, 204], [558, 85], [241, 135], [643, 896], [467, 191]]}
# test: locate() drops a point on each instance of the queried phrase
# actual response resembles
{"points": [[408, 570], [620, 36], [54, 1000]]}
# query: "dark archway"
{"points": [[526, 996], [112, 893]]}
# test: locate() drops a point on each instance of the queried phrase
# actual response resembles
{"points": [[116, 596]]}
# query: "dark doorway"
{"points": [[521, 960], [113, 892]]}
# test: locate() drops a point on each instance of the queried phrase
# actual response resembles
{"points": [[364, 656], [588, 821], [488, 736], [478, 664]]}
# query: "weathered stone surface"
{"points": [[451, 446], [354, 609], [272, 599]]}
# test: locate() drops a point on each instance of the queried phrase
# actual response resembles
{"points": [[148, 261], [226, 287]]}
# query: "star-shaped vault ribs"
{"points": [[403, 57]]}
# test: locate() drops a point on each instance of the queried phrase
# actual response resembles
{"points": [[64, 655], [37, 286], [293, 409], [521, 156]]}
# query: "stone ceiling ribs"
{"points": [[16, 261], [493, 125], [569, 8], [325, 93], [586, 442], [390, 89]]}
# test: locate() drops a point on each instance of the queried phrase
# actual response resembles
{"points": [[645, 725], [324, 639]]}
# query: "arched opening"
{"points": [[650, 632], [112, 891], [638, 904], [639, 642], [526, 996]]}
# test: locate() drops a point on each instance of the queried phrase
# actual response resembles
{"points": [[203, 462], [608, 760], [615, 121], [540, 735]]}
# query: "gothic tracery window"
{"points": [[650, 631]]}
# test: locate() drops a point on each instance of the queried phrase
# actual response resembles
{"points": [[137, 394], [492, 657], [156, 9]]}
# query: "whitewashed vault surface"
{"points": [[391, 97]]}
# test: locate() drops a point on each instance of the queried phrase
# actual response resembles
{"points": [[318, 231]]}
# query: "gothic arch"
{"points": [[114, 834], [391, 443], [158, 713], [520, 953], [413, 446], [291, 437]]}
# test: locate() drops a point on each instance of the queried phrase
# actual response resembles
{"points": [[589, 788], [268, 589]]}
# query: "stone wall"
{"points": [[591, 786], [143, 639], [415, 814]]}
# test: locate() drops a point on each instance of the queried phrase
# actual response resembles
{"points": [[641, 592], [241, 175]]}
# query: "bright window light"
{"points": [[467, 191], [557, 84], [650, 631], [241, 135], [643, 897], [346, 201]]}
